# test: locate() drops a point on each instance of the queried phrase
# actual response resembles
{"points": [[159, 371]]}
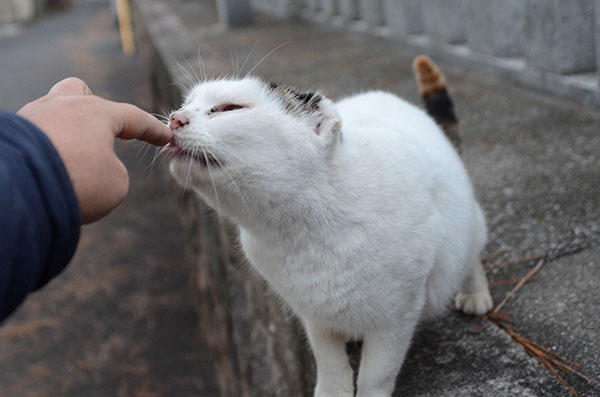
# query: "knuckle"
{"points": [[74, 80]]}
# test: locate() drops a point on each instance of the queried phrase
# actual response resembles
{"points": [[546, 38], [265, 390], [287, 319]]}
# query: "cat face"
{"points": [[252, 138]]}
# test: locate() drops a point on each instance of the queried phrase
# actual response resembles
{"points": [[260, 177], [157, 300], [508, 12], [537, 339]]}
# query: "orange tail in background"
{"points": [[432, 85]]}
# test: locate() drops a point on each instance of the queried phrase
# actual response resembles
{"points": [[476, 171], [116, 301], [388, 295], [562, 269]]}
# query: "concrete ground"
{"points": [[121, 320], [535, 165]]}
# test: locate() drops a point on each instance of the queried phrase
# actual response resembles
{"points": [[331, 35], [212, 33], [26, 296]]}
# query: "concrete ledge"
{"points": [[348, 9], [560, 35], [403, 17], [371, 12], [496, 41], [495, 27], [445, 20]]}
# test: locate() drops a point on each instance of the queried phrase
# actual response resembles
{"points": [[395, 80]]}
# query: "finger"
{"points": [[132, 122], [69, 87]]}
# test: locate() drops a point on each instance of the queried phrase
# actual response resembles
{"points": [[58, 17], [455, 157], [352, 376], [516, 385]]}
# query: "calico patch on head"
{"points": [[299, 103]]}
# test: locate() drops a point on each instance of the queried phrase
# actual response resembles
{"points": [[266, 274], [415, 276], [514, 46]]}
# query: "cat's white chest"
{"points": [[310, 281]]}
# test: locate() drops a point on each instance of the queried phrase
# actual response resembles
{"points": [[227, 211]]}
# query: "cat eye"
{"points": [[225, 108], [229, 108]]}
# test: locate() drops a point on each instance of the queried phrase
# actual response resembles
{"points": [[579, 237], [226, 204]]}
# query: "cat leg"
{"points": [[474, 297], [334, 374], [382, 355]]}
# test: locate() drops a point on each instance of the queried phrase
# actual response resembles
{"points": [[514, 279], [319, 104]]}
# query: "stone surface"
{"points": [[560, 35], [329, 7], [403, 17], [348, 9], [371, 12], [234, 12], [495, 28], [534, 165], [597, 30], [17, 10], [314, 5], [444, 20]]}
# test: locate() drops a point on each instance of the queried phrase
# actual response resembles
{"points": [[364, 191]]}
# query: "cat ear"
{"points": [[320, 110], [329, 122]]}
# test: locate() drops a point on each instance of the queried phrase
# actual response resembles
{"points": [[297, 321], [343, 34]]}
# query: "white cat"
{"points": [[359, 214]]}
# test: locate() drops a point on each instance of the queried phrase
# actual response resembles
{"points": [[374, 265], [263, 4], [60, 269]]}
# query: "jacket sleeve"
{"points": [[39, 212]]}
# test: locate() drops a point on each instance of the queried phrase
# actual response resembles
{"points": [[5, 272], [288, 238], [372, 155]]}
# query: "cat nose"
{"points": [[178, 119]]}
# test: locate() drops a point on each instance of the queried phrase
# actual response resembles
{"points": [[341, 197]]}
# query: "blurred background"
{"points": [[158, 300]]}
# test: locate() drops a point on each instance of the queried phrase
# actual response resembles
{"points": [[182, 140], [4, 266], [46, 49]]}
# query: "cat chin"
{"points": [[190, 172]]}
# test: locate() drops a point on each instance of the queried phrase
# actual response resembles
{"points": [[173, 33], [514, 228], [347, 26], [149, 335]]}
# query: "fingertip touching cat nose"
{"points": [[178, 120]]}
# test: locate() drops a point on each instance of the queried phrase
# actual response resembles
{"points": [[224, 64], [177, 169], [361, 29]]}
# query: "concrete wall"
{"points": [[550, 45], [17, 10]]}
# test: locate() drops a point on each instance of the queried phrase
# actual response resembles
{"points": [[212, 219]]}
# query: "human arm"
{"points": [[58, 169], [39, 213]]}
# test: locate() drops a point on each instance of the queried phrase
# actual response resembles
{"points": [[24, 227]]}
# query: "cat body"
{"points": [[374, 231], [359, 214]]}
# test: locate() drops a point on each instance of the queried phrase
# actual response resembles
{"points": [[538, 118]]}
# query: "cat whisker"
{"points": [[212, 179], [248, 56], [224, 170], [195, 78], [234, 63], [189, 80], [157, 152], [201, 65], [164, 119], [265, 57]]}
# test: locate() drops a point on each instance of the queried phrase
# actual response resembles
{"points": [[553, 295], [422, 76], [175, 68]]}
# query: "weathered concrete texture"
{"points": [[348, 9], [329, 7], [566, 312], [495, 27], [560, 35], [597, 30], [17, 10], [445, 20], [371, 12], [403, 17], [313, 5], [234, 12], [534, 164]]}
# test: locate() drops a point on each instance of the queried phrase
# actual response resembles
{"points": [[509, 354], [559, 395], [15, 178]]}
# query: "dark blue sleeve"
{"points": [[39, 212]]}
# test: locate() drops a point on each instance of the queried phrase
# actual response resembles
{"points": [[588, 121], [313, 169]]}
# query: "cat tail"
{"points": [[432, 85]]}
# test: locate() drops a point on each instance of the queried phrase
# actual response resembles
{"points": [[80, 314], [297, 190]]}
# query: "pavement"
{"points": [[122, 319], [535, 164]]}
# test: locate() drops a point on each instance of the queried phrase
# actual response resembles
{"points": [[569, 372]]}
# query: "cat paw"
{"points": [[336, 393], [476, 303], [339, 390]]}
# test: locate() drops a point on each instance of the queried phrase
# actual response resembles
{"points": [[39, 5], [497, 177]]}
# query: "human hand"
{"points": [[82, 128]]}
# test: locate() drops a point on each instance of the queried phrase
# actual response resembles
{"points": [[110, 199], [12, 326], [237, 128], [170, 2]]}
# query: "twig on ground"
{"points": [[497, 316], [522, 260], [557, 375], [498, 283], [491, 256], [552, 361], [519, 285]]}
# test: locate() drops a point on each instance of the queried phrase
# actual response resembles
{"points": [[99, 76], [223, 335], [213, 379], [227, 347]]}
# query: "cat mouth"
{"points": [[200, 156]]}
